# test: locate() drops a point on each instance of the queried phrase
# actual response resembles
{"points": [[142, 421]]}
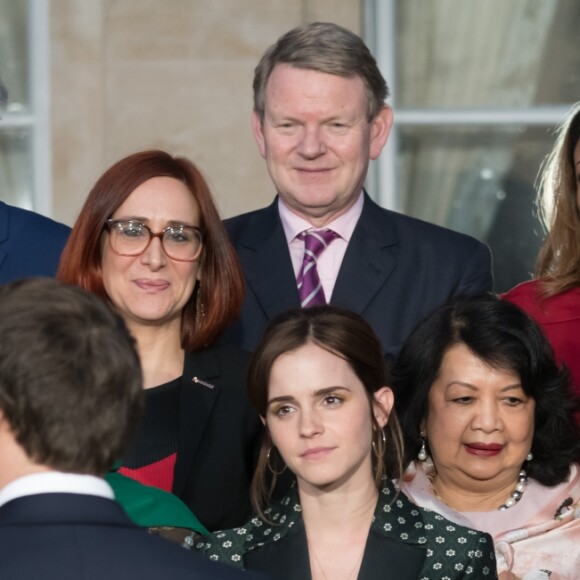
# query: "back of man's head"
{"points": [[70, 380]]}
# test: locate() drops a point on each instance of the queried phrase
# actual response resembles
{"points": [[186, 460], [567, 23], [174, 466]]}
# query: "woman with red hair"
{"points": [[150, 242]]}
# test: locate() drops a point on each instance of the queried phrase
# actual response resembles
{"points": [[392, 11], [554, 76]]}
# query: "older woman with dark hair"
{"points": [[319, 382], [488, 419], [150, 242]]}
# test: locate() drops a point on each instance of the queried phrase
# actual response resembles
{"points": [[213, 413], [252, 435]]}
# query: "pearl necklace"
{"points": [[517, 493], [512, 500]]}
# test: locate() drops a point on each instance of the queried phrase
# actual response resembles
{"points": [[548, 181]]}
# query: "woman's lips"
{"points": [[316, 452], [484, 449], [152, 285]]}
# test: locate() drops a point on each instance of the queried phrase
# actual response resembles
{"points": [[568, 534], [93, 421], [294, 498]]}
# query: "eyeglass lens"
{"points": [[131, 238]]}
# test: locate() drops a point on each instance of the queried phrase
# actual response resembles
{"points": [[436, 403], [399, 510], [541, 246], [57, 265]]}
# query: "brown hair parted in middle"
{"points": [[222, 288], [346, 335]]}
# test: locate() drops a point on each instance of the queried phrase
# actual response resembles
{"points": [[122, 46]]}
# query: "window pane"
{"points": [[497, 53], [480, 181], [15, 162], [14, 53]]}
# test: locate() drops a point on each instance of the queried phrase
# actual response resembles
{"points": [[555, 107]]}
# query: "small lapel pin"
{"points": [[201, 382]]}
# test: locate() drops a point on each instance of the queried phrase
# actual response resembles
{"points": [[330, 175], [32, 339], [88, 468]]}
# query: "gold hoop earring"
{"points": [[379, 446], [272, 470]]}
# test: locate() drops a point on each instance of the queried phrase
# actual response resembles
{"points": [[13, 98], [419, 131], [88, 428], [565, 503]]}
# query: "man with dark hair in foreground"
{"points": [[70, 398]]}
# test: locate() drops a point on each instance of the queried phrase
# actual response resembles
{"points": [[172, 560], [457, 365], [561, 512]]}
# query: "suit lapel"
{"points": [[197, 398], [265, 257], [368, 262], [286, 559], [384, 558], [389, 559]]}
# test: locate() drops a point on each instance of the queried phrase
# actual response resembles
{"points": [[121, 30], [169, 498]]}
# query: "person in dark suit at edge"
{"points": [[65, 354], [30, 244], [319, 117]]}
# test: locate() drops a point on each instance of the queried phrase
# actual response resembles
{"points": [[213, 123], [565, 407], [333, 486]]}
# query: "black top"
{"points": [[218, 437]]}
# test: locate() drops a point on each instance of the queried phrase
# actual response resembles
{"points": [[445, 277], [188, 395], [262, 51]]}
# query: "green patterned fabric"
{"points": [[452, 551]]}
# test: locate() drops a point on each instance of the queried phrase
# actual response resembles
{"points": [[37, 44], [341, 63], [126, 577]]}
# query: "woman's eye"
{"points": [[514, 401], [333, 400], [283, 411], [177, 237], [462, 400], [131, 231]]}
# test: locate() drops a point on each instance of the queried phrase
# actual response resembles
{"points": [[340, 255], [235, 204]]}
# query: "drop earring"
{"points": [[422, 455]]}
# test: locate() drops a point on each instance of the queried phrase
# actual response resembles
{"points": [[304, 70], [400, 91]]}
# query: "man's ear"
{"points": [[380, 129], [384, 401], [258, 131]]}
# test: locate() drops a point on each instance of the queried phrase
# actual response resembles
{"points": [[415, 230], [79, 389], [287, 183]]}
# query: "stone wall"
{"points": [[129, 75]]}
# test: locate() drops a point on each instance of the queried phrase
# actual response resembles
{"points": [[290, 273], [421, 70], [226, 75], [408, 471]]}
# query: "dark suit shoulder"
{"points": [[69, 536], [19, 218], [253, 224], [30, 244], [413, 230]]}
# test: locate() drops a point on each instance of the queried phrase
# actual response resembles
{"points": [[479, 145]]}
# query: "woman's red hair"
{"points": [[222, 288]]}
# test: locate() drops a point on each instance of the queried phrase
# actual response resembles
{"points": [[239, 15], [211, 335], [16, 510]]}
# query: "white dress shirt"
{"points": [[329, 262], [55, 482]]}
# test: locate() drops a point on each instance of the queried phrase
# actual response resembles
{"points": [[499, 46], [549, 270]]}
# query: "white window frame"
{"points": [[38, 120], [380, 35]]}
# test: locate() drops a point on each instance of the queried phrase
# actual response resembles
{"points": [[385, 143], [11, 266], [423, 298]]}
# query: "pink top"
{"points": [[559, 317], [530, 538], [328, 264]]}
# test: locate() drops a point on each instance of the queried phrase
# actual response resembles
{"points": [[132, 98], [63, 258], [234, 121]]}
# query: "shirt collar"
{"points": [[55, 482], [343, 225]]}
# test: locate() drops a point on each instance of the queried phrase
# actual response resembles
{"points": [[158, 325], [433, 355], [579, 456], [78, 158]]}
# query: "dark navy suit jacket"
{"points": [[396, 270], [67, 536], [30, 244]]}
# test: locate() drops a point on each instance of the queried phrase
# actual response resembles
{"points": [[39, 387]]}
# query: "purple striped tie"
{"points": [[309, 286]]}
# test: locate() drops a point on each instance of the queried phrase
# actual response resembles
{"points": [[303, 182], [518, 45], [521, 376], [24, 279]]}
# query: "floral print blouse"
{"points": [[448, 551]]}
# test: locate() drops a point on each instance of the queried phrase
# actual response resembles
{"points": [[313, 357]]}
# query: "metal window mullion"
{"points": [[542, 115], [380, 32], [39, 71]]}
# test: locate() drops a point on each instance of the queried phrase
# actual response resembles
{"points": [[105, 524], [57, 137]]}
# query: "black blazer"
{"points": [[395, 271], [219, 434], [67, 536], [405, 542], [30, 244]]}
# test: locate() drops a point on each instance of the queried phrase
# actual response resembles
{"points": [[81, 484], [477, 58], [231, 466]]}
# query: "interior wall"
{"points": [[129, 75]]}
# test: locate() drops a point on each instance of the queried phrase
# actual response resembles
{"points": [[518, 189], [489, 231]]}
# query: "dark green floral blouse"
{"points": [[405, 541]]}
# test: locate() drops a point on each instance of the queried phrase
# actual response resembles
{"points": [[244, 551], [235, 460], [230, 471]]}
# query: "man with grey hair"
{"points": [[30, 244], [319, 117]]}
